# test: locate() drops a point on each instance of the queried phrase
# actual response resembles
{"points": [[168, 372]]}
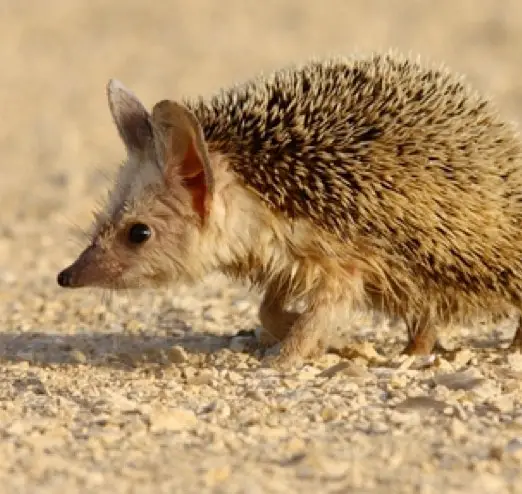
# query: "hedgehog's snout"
{"points": [[65, 278], [71, 276], [93, 267]]}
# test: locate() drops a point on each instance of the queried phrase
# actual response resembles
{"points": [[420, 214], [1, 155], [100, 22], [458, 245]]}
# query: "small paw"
{"points": [[264, 338], [276, 359]]}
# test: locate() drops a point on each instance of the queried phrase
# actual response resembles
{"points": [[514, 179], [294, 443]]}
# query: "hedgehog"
{"points": [[374, 183]]}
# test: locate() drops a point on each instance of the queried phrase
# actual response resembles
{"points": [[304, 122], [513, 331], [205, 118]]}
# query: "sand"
{"points": [[152, 392]]}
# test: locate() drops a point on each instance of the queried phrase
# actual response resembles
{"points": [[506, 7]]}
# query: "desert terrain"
{"points": [[155, 392]]}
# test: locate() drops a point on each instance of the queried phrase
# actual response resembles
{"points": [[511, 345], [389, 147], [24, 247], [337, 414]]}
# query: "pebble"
{"points": [[328, 414], [200, 378], [462, 358], [515, 361], [177, 355], [399, 381], [514, 447], [77, 356], [216, 475], [458, 428], [363, 350], [459, 380], [171, 420], [218, 409], [346, 368]]}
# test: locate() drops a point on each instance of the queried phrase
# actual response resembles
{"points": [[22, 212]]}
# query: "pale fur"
{"points": [[244, 239]]}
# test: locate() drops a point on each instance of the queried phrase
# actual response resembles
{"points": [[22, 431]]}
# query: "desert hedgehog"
{"points": [[363, 183]]}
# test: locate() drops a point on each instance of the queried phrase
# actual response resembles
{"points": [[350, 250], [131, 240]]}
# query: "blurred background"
{"points": [[56, 56]]}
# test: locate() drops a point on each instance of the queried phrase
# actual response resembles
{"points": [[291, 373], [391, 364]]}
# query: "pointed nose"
{"points": [[64, 278]]}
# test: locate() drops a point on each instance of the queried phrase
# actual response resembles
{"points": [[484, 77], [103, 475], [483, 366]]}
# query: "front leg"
{"points": [[306, 337], [276, 322]]}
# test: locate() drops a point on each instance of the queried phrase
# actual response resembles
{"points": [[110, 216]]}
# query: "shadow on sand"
{"points": [[114, 349], [130, 349]]}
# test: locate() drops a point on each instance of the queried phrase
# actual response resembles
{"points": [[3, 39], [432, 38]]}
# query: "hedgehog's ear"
{"points": [[182, 152], [130, 116]]}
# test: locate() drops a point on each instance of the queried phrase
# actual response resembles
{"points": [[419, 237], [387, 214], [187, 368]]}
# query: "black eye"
{"points": [[139, 233]]}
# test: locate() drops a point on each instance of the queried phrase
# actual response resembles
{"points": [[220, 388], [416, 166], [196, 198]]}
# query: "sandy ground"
{"points": [[150, 393]]}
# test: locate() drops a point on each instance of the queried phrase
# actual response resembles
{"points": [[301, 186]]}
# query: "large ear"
{"points": [[130, 116], [182, 152]]}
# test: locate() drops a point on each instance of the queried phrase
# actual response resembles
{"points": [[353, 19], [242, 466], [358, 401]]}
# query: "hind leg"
{"points": [[516, 343], [422, 343], [422, 336]]}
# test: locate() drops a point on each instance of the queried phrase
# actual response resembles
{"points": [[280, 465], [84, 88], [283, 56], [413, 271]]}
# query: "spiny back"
{"points": [[378, 146]]}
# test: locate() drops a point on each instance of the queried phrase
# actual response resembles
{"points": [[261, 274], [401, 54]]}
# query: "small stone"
{"points": [[216, 475], [315, 463], [110, 437], [515, 361], [234, 377], [379, 428], [176, 419], [242, 305], [404, 417], [219, 409], [201, 378], [460, 412], [177, 355], [407, 362], [133, 325], [257, 395], [489, 390], [77, 356], [514, 446], [295, 445], [496, 452], [399, 381], [462, 358], [503, 403], [347, 368], [425, 361], [328, 360], [17, 428], [189, 373], [306, 373], [422, 402], [459, 380], [364, 350], [121, 403], [458, 429], [443, 365], [328, 414]]}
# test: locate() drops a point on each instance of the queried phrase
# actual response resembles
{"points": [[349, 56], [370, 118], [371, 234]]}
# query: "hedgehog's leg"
{"points": [[306, 338], [423, 343], [516, 343], [422, 336], [275, 320]]}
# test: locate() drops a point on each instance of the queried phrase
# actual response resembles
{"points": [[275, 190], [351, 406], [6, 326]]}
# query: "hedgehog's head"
{"points": [[146, 234]]}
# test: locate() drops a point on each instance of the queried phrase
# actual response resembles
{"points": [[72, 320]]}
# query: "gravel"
{"points": [[164, 391]]}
